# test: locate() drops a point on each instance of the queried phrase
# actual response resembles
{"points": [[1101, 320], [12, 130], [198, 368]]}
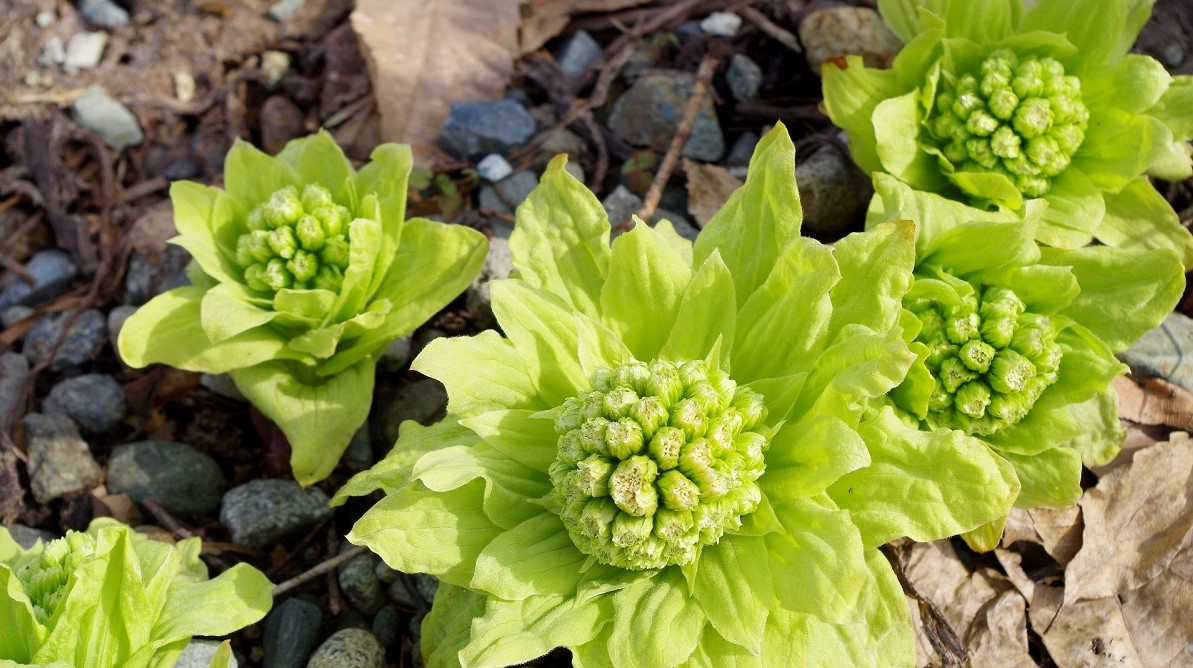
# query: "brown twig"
{"points": [[772, 29], [166, 519], [682, 134], [320, 569], [940, 634]]}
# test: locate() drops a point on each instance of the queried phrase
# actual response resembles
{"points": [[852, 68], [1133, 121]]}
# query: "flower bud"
{"points": [[256, 219], [677, 491], [1010, 371], [966, 104], [592, 436], [666, 445], [687, 415], [254, 277], [303, 266], [976, 355], [593, 474], [630, 529], [954, 373], [309, 233], [1009, 408], [315, 196], [329, 219], [283, 208], [283, 242], [972, 398], [596, 518], [1032, 118], [624, 438], [632, 485], [962, 328], [664, 383], [335, 252], [1005, 143], [618, 402], [981, 123], [981, 153], [276, 276], [329, 278], [258, 246], [650, 415]]}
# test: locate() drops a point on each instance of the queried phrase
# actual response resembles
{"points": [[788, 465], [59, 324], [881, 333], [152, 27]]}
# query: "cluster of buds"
{"points": [[1020, 117], [45, 580], [990, 358], [657, 461], [295, 241]]}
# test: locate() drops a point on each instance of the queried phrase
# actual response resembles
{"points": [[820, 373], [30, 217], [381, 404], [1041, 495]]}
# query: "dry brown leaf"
{"points": [[709, 186], [1136, 440], [998, 638], [427, 54], [1157, 402], [544, 19], [1084, 634], [1137, 520], [1158, 615], [1057, 530]]}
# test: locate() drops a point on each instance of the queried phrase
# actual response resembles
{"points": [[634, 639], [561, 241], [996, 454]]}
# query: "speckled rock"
{"points": [[387, 625], [262, 512], [103, 13], [349, 648], [60, 462], [27, 537], [476, 129], [95, 401], [744, 77], [648, 114], [84, 337], [1165, 351], [839, 31], [198, 654], [424, 400], [116, 319], [184, 481], [358, 581], [111, 120], [577, 53], [51, 270], [291, 631], [833, 191]]}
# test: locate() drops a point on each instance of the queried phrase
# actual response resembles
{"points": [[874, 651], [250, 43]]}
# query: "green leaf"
{"points": [[1095, 27], [968, 247], [319, 418], [1118, 147], [417, 531], [669, 236], [508, 485], [225, 312], [239, 596], [733, 586], [251, 176], [641, 297], [598, 347], [904, 17], [1133, 84], [1124, 292], [716, 652], [543, 332], [561, 241], [806, 457], [1101, 441], [1045, 289], [875, 274], [923, 484], [514, 632], [318, 159], [481, 373], [1173, 108], [1075, 211], [394, 471], [822, 551], [1050, 478], [1139, 217], [851, 94], [535, 558], [167, 330], [862, 365], [781, 393], [309, 306], [447, 628], [983, 21], [896, 129], [707, 313], [1086, 368], [760, 219], [387, 176], [208, 225], [364, 239], [20, 634], [988, 188], [661, 607], [517, 434]]}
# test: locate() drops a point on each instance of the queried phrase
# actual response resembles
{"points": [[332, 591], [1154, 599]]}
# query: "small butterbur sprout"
{"points": [[305, 269], [110, 597]]}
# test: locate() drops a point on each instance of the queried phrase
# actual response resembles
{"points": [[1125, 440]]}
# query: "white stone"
{"points": [[84, 50], [45, 18], [724, 24], [275, 64], [493, 167], [52, 53]]}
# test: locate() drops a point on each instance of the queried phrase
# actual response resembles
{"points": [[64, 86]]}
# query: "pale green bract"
{"points": [[1016, 343], [112, 598], [993, 104], [304, 270], [677, 454]]}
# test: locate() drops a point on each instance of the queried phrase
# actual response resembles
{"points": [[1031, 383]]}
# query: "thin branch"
{"points": [[774, 30], [325, 567]]}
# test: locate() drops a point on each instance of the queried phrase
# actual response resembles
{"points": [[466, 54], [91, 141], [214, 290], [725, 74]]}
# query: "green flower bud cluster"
{"points": [[991, 360], [45, 580], [657, 461], [1020, 117], [295, 241]]}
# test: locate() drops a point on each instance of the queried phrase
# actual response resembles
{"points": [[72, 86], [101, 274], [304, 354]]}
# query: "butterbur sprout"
{"points": [[677, 453], [112, 598], [993, 103], [304, 270]]}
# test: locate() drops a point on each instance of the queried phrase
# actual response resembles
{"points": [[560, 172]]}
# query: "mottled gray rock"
{"points": [[53, 52], [184, 481], [349, 648], [1165, 352], [493, 167], [261, 512], [499, 262], [84, 51], [149, 276], [94, 401], [744, 77], [396, 355], [85, 336], [27, 537], [14, 314], [742, 150], [14, 368], [46, 18], [116, 319], [51, 270], [221, 384], [360, 449], [839, 31], [103, 13], [291, 631], [505, 195], [399, 592], [577, 54], [275, 65], [112, 121], [198, 654], [426, 585], [648, 114], [621, 205], [476, 129], [284, 10], [833, 191], [424, 400], [387, 625], [60, 462], [358, 581]]}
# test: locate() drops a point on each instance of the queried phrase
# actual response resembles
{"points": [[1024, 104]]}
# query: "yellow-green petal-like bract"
{"points": [[304, 271]]}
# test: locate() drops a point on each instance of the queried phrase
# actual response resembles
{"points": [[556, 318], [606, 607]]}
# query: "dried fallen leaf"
{"points": [[425, 55], [1058, 530], [1157, 615], [544, 19], [1157, 402], [1137, 439], [1084, 634], [708, 188], [1137, 520]]}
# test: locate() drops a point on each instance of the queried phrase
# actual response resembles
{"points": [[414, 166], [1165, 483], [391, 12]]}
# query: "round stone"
{"points": [[349, 648], [184, 481]]}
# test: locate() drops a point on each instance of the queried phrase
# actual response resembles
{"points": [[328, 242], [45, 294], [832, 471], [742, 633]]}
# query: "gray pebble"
{"points": [[14, 368], [60, 462], [111, 120], [499, 262], [52, 53], [648, 114], [103, 13], [85, 336], [184, 481], [84, 51], [1164, 352], [14, 314], [399, 591], [384, 573], [45, 18], [722, 24], [149, 276], [476, 129], [261, 512], [742, 150], [493, 167], [387, 625], [27, 537], [833, 191], [744, 77], [51, 270], [291, 631], [358, 580], [621, 205], [221, 384], [396, 355], [360, 450], [116, 319], [349, 648], [284, 10], [94, 401], [424, 400], [838, 31], [577, 54], [427, 585], [199, 652]]}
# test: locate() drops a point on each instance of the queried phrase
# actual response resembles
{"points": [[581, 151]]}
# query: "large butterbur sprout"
{"points": [[677, 453]]}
